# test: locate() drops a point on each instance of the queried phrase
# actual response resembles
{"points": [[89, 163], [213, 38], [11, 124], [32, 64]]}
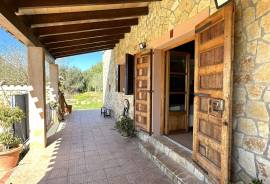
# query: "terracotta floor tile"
{"points": [[87, 149]]}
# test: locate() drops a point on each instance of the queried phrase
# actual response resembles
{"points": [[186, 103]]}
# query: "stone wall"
{"points": [[111, 98], [251, 92]]}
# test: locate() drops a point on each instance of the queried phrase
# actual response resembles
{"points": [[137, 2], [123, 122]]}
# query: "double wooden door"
{"points": [[213, 90], [143, 91]]}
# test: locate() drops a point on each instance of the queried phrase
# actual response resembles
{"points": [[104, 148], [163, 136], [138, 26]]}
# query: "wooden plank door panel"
{"points": [[213, 93], [143, 90]]}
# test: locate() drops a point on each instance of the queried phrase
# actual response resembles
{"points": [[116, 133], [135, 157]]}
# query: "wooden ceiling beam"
{"points": [[83, 51], [88, 15], [59, 3], [84, 41], [15, 26], [72, 47], [78, 53], [54, 30], [82, 35]]}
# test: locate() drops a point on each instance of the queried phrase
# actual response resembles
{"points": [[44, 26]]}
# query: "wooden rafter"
{"points": [[53, 30], [84, 41], [82, 35], [66, 27], [78, 16], [54, 3], [18, 28], [72, 47], [82, 51]]}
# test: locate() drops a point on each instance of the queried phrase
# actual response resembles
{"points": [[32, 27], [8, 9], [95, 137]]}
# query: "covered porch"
{"points": [[86, 149]]}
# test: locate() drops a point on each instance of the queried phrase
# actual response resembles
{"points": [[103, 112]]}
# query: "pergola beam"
{"points": [[57, 3], [83, 49], [54, 30], [84, 41], [72, 53], [89, 45], [88, 15], [82, 35], [14, 25]]}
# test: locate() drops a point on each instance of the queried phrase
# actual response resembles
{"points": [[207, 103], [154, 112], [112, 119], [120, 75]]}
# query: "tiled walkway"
{"points": [[86, 149]]}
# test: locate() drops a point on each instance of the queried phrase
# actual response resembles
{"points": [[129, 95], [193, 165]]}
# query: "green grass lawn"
{"points": [[88, 100]]}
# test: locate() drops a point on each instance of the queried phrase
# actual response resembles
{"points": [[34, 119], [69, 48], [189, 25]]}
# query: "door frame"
{"points": [[181, 34]]}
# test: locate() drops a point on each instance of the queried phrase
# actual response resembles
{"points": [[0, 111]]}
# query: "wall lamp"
{"points": [[220, 3], [142, 45]]}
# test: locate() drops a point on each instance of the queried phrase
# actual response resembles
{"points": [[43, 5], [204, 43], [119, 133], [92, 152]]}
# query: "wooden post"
{"points": [[37, 107]]}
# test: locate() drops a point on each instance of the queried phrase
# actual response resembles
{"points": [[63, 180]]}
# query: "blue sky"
{"points": [[83, 61], [8, 43]]}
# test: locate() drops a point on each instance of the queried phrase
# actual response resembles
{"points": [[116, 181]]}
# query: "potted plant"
{"points": [[10, 145], [125, 126]]}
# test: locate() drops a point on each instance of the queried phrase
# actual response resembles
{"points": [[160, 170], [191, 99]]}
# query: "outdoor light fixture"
{"points": [[142, 45], [220, 3]]}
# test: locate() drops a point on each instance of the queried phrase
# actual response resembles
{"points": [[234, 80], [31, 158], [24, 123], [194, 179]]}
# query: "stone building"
{"points": [[251, 74]]}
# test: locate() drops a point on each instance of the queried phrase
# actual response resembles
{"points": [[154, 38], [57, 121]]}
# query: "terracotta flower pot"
{"points": [[9, 159]]}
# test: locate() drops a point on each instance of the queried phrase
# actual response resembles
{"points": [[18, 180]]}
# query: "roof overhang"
{"points": [[68, 28]]}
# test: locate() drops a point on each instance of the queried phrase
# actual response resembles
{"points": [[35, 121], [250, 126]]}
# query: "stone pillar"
{"points": [[37, 104], [54, 75]]}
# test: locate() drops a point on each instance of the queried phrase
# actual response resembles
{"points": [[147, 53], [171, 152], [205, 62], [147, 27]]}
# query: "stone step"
{"points": [[174, 171], [180, 155]]}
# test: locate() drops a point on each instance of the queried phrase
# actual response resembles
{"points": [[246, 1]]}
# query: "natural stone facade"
{"points": [[251, 91], [111, 98]]}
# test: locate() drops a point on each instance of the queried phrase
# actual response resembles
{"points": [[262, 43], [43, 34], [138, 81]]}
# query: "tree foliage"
{"points": [[13, 69], [73, 80], [93, 77]]}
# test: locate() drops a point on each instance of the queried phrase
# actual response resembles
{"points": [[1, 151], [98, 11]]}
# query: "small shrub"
{"points": [[9, 140], [125, 126], [257, 181], [8, 117]]}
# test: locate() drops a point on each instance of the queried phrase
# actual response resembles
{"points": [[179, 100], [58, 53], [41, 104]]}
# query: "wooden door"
{"points": [[213, 93], [177, 91], [143, 90]]}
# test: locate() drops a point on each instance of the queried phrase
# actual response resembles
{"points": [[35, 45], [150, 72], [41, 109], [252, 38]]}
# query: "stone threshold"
{"points": [[175, 161]]}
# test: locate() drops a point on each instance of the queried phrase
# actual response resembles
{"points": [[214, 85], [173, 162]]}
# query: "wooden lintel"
{"points": [[88, 15], [54, 3], [54, 30], [88, 34], [84, 41]]}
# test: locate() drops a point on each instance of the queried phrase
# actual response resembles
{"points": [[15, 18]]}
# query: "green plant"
{"points": [[8, 117], [53, 105], [125, 126], [256, 181]]}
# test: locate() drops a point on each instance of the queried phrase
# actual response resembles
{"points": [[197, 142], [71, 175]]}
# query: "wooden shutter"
{"points": [[117, 78], [120, 78], [143, 91], [213, 90], [129, 75]]}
